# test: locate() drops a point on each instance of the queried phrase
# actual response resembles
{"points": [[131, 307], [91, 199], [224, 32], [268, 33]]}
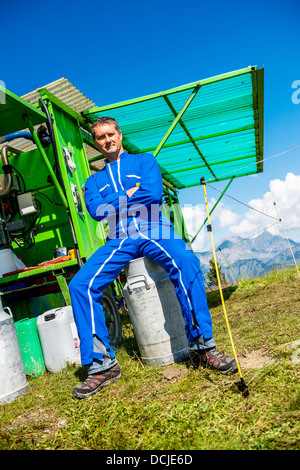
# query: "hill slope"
{"points": [[176, 407]]}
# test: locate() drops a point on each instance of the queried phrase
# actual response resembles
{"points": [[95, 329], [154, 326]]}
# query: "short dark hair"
{"points": [[104, 120]]}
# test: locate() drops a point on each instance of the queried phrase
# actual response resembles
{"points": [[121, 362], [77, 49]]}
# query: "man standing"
{"points": [[128, 185]]}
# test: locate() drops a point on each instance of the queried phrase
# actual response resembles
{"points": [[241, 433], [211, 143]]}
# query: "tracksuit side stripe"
{"points": [[92, 280], [174, 264]]}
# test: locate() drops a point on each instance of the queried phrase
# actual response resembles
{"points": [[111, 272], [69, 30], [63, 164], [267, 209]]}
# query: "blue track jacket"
{"points": [[106, 198]]}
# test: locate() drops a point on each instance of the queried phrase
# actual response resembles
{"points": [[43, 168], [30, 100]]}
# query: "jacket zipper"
{"points": [[112, 178], [116, 189], [119, 173]]}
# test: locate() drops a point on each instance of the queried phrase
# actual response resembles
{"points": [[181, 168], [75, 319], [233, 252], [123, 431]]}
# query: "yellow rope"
{"points": [[219, 284]]}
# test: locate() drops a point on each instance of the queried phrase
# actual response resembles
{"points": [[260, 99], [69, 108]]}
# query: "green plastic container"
{"points": [[30, 345]]}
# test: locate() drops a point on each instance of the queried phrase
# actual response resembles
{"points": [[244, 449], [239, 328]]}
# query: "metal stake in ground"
{"points": [[241, 385], [280, 220]]}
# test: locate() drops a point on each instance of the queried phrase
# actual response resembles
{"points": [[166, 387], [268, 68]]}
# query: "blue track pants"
{"points": [[104, 266]]}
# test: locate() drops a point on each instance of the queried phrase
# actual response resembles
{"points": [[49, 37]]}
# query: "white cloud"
{"points": [[225, 221], [225, 216], [286, 194], [194, 216]]}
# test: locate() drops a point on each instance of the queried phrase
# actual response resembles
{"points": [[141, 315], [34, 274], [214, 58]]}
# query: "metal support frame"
{"points": [[179, 223], [211, 211], [189, 136], [63, 285], [176, 120]]}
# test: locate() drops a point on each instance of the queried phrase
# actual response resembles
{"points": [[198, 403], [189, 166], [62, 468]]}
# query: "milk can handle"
{"points": [[137, 275], [9, 310], [1, 306]]}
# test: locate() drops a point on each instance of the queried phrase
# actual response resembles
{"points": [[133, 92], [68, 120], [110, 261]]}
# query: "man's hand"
{"points": [[131, 191]]}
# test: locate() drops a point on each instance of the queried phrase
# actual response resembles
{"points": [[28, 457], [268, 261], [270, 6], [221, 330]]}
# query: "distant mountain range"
{"points": [[253, 257]]}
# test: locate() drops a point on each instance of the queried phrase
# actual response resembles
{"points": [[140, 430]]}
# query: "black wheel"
{"points": [[112, 318]]}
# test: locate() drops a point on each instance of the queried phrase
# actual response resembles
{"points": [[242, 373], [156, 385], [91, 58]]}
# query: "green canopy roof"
{"points": [[212, 128], [13, 111]]}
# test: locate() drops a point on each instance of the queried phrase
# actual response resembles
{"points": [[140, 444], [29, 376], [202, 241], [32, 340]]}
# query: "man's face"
{"points": [[108, 140]]}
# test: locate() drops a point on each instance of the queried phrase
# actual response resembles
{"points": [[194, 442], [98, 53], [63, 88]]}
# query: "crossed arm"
{"points": [[148, 192], [131, 191]]}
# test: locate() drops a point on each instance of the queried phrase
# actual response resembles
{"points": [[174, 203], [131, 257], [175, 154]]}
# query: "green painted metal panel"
{"points": [[89, 233], [12, 113]]}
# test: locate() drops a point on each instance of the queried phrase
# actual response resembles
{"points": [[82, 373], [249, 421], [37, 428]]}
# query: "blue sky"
{"points": [[119, 50]]}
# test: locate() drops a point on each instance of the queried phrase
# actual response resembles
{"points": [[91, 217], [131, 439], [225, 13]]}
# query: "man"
{"points": [[127, 192]]}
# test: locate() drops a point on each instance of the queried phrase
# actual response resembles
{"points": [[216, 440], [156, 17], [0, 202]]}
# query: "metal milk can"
{"points": [[155, 313], [12, 374]]}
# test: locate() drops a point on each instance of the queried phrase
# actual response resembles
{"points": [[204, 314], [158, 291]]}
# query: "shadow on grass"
{"points": [[214, 297], [129, 343]]}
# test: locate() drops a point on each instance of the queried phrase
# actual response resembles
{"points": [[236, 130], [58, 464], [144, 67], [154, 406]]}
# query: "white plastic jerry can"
{"points": [[59, 338]]}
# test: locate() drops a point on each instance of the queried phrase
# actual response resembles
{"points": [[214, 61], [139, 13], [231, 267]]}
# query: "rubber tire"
{"points": [[112, 318]]}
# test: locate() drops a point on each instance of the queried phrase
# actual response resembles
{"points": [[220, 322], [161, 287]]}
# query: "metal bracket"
{"points": [[63, 286]]}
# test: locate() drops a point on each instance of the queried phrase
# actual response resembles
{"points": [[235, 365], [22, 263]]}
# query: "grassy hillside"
{"points": [[175, 407]]}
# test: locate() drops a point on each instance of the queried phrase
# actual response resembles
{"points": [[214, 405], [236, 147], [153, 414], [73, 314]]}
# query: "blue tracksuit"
{"points": [[137, 228]]}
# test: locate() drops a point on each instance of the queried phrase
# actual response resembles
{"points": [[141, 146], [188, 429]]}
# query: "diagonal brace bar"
{"points": [[63, 286], [189, 136], [215, 205], [176, 120]]}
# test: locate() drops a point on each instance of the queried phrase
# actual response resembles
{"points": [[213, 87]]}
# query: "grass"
{"points": [[175, 407]]}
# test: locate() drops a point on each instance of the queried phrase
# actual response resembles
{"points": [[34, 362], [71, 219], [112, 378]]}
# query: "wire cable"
{"points": [[253, 235], [243, 203], [255, 163]]}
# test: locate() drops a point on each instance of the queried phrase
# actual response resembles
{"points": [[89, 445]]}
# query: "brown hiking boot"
{"points": [[213, 359], [95, 382]]}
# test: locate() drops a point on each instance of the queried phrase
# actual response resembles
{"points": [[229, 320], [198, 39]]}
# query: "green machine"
{"points": [[211, 129], [44, 226]]}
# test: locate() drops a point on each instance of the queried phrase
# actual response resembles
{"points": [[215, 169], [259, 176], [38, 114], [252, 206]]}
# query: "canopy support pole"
{"points": [[213, 209]]}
